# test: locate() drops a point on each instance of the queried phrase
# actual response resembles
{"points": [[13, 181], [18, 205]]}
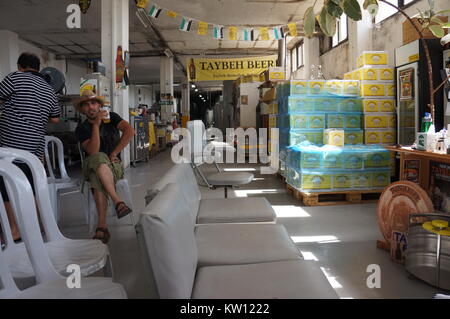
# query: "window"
{"points": [[341, 35], [341, 31], [385, 11], [297, 57]]}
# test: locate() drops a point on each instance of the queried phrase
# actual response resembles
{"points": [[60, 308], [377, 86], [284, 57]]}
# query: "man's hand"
{"points": [[100, 116], [114, 159]]}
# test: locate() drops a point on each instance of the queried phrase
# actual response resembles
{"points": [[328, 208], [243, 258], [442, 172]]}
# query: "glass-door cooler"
{"points": [[407, 103]]}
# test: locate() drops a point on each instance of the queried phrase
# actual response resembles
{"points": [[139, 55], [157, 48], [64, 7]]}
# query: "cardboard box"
{"points": [[369, 58], [410, 34], [269, 95], [379, 105], [334, 137], [380, 89], [276, 74], [399, 246]]}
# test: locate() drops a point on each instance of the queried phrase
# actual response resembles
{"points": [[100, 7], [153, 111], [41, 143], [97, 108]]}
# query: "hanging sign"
{"points": [[228, 69]]}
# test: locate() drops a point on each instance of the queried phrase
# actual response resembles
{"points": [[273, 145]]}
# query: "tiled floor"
{"points": [[340, 239]]}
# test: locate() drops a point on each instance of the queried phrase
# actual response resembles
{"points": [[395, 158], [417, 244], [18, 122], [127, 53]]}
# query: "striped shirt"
{"points": [[29, 103]]}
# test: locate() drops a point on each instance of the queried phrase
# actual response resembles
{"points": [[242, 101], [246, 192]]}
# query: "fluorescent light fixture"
{"points": [[168, 53], [193, 86]]}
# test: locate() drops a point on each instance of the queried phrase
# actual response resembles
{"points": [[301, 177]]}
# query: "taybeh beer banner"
{"points": [[227, 69]]}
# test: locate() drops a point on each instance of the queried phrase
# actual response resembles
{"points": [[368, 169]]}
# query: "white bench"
{"points": [[220, 210], [221, 261]]}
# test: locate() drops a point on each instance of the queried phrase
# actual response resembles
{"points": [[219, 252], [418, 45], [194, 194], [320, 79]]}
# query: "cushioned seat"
{"points": [[235, 210], [230, 178], [228, 244], [283, 280], [221, 210]]}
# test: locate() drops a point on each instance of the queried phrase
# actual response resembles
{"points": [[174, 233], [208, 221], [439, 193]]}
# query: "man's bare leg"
{"points": [[107, 179], [101, 202], [12, 221]]}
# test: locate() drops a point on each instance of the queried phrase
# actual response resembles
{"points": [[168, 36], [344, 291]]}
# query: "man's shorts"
{"points": [[26, 170], [90, 170]]}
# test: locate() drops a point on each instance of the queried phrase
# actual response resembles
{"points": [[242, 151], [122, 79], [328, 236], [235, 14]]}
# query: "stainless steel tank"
{"points": [[422, 259]]}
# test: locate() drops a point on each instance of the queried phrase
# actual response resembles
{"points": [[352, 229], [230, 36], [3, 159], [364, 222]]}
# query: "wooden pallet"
{"points": [[335, 197]]}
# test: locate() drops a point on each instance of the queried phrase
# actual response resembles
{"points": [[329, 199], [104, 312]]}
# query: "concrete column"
{"points": [[166, 75], [115, 32], [360, 37], [9, 52], [185, 102]]}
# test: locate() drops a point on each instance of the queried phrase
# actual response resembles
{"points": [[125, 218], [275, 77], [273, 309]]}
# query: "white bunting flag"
{"points": [[218, 32], [278, 33], [249, 35], [154, 12], [186, 25]]}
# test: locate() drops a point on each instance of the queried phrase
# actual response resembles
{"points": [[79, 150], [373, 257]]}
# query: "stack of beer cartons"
{"points": [[378, 93]]}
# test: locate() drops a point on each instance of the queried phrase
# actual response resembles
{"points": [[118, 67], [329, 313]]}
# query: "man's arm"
{"points": [[92, 145], [127, 134], [54, 120]]}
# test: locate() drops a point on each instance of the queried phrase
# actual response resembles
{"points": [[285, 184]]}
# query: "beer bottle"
{"points": [[120, 65], [192, 74]]}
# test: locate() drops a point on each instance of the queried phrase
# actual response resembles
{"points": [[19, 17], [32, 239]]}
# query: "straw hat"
{"points": [[88, 95]]}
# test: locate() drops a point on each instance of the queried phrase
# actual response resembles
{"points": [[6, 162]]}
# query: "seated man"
{"points": [[100, 138]]}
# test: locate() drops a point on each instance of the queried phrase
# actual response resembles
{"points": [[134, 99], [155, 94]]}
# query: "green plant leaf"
{"points": [[327, 23], [334, 9], [309, 22], [442, 12], [435, 19], [337, 2], [446, 25], [367, 3], [352, 9], [437, 30]]}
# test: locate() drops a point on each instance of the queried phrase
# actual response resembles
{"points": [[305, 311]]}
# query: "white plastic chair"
{"points": [[58, 185], [122, 189], [198, 146], [90, 255], [49, 284]]}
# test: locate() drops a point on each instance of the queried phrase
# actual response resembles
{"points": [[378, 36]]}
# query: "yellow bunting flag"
{"points": [[293, 29], [232, 33], [202, 28], [172, 14], [141, 3], [264, 33]]}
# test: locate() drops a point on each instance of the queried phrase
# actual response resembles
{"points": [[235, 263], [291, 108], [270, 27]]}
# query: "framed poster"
{"points": [[440, 186], [244, 99], [406, 81], [411, 171]]}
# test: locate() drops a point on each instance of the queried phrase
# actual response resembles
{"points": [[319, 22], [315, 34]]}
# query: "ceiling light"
{"points": [[168, 53], [196, 90], [193, 86]]}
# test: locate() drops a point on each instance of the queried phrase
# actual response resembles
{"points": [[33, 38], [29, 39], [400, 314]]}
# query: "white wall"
{"points": [[248, 112], [75, 71]]}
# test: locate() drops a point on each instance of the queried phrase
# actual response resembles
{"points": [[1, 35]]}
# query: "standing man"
{"points": [[100, 138], [29, 103]]}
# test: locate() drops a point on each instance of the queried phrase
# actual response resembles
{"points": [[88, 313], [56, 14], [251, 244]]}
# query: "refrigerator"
{"points": [[140, 144], [413, 88]]}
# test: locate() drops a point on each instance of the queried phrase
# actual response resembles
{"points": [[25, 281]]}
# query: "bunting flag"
{"points": [[232, 33], [278, 33], [186, 24], [293, 29], [141, 3], [154, 12], [249, 35], [202, 28], [172, 14], [264, 33], [218, 32]]}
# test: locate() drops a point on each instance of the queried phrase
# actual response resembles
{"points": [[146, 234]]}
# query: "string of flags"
{"points": [[219, 31]]}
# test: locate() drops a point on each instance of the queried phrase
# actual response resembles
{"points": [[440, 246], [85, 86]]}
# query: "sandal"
{"points": [[122, 210], [105, 237]]}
